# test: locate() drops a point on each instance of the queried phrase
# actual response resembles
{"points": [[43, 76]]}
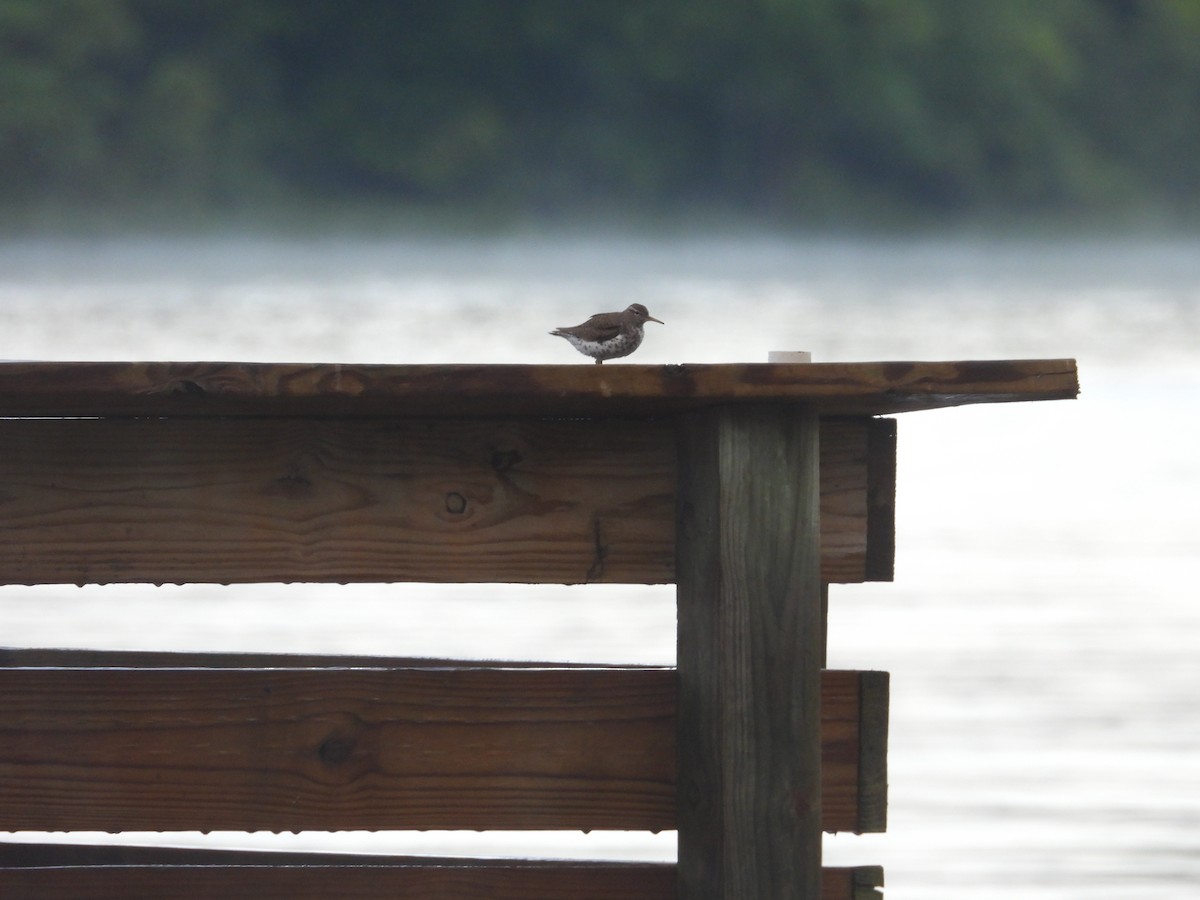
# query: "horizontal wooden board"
{"points": [[148, 749], [75, 658], [373, 500], [56, 877], [335, 501], [258, 389], [460, 882]]}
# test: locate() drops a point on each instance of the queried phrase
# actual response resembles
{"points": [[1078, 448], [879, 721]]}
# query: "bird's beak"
{"points": [[652, 319]]}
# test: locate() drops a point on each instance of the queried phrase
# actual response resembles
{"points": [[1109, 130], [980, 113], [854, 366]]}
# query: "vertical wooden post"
{"points": [[749, 651]]}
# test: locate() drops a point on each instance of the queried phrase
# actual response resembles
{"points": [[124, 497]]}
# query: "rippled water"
{"points": [[1043, 629]]}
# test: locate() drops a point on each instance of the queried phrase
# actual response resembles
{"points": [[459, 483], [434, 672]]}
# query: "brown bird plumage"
{"points": [[609, 335]]}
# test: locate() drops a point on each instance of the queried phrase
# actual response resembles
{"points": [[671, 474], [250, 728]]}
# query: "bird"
{"points": [[609, 335]]}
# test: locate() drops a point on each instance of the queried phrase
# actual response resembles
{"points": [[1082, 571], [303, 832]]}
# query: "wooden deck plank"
{"points": [[346, 749], [289, 389]]}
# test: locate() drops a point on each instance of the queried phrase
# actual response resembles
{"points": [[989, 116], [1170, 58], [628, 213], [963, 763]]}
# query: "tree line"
{"points": [[791, 109]]}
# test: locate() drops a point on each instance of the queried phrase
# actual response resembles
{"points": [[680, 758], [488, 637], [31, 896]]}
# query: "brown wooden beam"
{"points": [[496, 881], [210, 500], [389, 748], [858, 499], [60, 872], [243, 750], [369, 500], [286, 389]]}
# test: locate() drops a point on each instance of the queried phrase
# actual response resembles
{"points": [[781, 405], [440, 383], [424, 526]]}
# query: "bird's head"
{"points": [[642, 314]]}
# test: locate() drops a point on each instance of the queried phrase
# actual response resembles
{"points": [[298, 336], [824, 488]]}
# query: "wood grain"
{"points": [[749, 647], [874, 701], [496, 881], [357, 748], [335, 750], [287, 389], [858, 500], [367, 500], [335, 501], [854, 729], [359, 878]]}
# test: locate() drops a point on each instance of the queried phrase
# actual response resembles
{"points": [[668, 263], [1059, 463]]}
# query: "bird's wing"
{"points": [[606, 326]]}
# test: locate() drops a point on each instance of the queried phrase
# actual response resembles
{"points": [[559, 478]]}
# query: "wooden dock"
{"points": [[750, 487]]}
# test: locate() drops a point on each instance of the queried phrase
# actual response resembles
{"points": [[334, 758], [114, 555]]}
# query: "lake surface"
{"points": [[1043, 628]]}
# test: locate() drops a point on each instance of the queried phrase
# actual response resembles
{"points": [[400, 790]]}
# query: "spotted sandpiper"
{"points": [[609, 335]]}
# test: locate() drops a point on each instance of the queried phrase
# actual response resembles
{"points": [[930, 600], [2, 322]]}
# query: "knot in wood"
{"points": [[185, 387], [343, 748], [336, 749], [503, 460], [293, 485], [456, 503]]}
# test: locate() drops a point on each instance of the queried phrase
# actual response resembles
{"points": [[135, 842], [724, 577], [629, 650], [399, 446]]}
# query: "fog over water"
{"points": [[1043, 628]]}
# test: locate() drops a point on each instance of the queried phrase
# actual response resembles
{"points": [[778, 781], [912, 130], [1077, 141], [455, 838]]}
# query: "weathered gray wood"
{"points": [[206, 745], [179, 500], [288, 389], [748, 654], [860, 882], [874, 690], [879, 562], [823, 659]]}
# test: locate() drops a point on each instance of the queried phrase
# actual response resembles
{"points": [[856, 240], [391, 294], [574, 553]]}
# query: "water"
{"points": [[1043, 630]]}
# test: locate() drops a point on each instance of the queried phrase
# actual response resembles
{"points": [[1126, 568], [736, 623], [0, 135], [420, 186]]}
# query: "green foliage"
{"points": [[60, 67], [776, 107]]}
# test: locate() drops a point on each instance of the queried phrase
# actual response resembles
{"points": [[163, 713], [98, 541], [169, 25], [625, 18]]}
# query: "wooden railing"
{"points": [[750, 487]]}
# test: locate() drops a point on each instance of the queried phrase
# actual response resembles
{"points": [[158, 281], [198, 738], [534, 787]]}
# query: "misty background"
{"points": [[825, 112], [445, 182]]}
